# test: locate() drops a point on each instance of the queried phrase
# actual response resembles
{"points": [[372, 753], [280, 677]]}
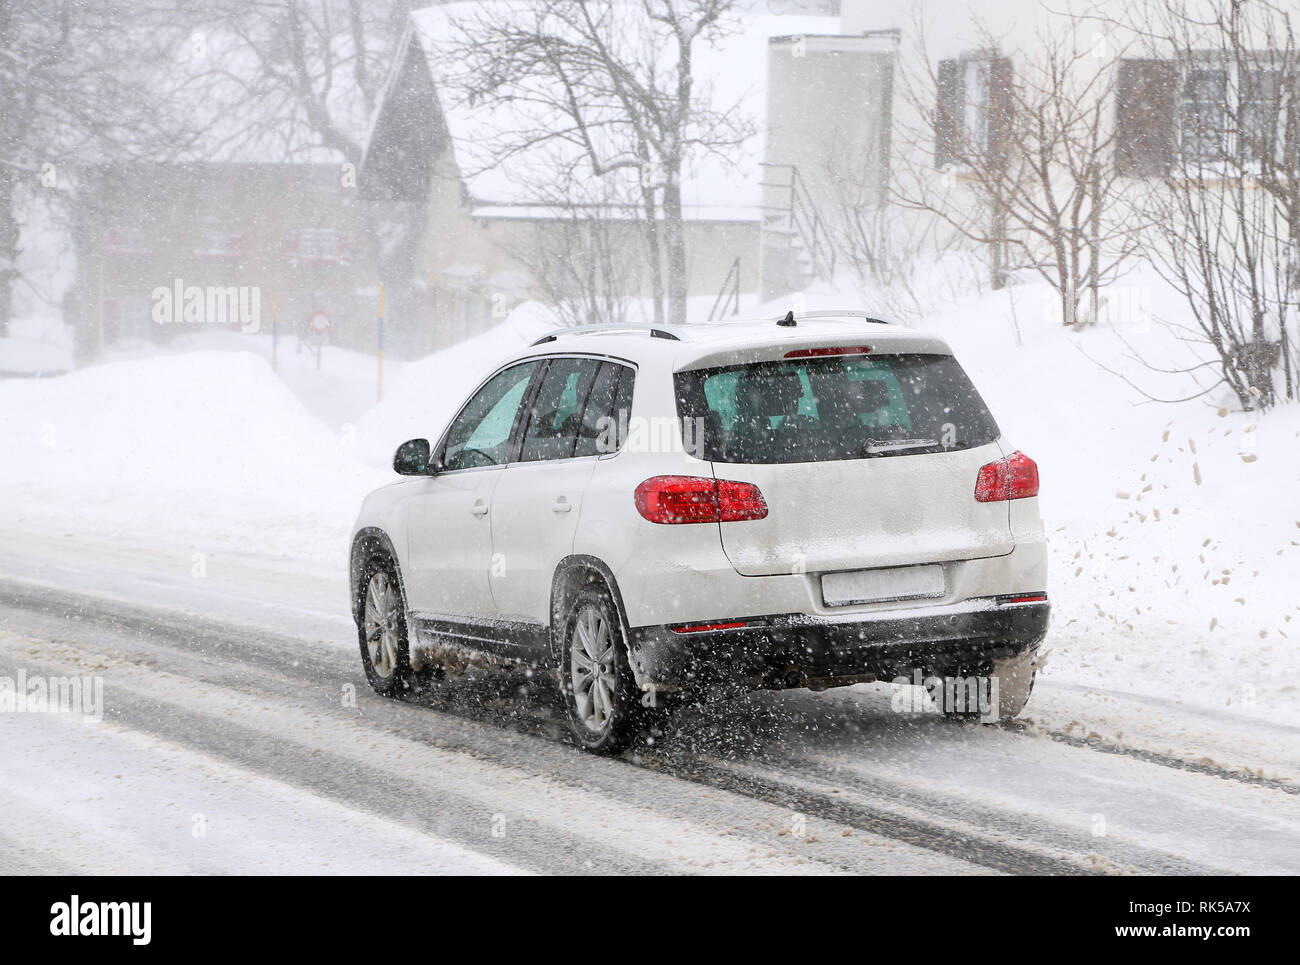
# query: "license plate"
{"points": [[878, 586]]}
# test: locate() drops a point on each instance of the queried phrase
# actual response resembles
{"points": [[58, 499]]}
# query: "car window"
{"points": [[480, 434], [601, 429], [556, 411], [623, 401], [834, 407]]}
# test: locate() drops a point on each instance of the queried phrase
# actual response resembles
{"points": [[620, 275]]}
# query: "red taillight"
{"points": [[698, 499], [1014, 477], [739, 501], [812, 353]]}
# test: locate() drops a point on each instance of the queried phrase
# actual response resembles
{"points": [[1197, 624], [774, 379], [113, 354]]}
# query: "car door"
{"points": [[449, 531], [536, 505]]}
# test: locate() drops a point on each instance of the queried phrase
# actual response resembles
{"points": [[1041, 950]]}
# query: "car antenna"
{"points": [[788, 321]]}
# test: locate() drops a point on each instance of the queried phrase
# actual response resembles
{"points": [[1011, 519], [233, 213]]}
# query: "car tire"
{"points": [[1015, 676], [381, 629], [601, 699]]}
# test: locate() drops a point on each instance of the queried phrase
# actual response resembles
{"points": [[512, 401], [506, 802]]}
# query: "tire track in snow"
{"points": [[227, 638], [207, 725], [224, 654], [1164, 760]]}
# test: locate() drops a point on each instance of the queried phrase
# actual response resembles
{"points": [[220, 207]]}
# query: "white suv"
{"points": [[650, 512]]}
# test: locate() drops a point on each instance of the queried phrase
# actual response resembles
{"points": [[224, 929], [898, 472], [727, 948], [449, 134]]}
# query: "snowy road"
{"points": [[231, 742]]}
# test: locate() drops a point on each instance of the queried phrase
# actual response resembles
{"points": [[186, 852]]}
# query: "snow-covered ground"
{"points": [[36, 346], [1174, 528], [178, 812], [234, 707]]}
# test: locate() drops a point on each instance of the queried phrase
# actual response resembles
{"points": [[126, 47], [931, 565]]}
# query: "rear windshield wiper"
{"points": [[886, 447]]}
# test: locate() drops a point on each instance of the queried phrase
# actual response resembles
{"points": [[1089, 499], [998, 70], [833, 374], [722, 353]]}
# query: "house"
{"points": [[456, 244], [252, 247], [244, 223], [457, 241], [469, 238]]}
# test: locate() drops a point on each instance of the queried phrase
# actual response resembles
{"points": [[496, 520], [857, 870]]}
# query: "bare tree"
{"points": [[577, 251], [1227, 207], [288, 77], [78, 84], [581, 267], [882, 244], [1025, 152], [604, 91], [145, 79]]}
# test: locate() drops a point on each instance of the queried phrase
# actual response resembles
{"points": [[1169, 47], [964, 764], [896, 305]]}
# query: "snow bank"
{"points": [[36, 346], [209, 446]]}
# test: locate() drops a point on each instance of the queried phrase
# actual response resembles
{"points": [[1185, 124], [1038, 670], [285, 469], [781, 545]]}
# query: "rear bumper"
{"points": [[801, 649]]}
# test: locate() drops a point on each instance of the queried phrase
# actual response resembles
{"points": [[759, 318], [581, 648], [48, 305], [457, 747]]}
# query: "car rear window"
{"points": [[836, 407]]}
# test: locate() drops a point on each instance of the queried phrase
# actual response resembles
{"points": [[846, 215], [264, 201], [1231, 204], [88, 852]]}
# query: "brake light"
{"points": [[698, 499], [1013, 477], [812, 353]]}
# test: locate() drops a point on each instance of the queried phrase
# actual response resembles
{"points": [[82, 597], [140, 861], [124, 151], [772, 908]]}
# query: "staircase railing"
{"points": [[806, 222], [728, 294]]}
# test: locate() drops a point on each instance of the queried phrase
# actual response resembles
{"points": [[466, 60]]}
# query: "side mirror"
{"points": [[412, 458]]}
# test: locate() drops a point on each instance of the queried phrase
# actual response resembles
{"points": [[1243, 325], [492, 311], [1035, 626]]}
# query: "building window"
{"points": [[1203, 121], [975, 119], [1261, 109], [318, 246], [1199, 112], [972, 110], [1228, 113], [220, 244]]}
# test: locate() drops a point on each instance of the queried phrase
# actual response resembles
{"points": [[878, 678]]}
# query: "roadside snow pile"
{"points": [[36, 346], [336, 389], [207, 446], [213, 448]]}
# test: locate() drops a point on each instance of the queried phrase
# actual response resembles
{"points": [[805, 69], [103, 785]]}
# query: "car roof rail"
{"points": [[836, 313], [654, 331]]}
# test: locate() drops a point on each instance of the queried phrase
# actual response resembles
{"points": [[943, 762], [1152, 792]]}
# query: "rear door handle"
{"points": [[561, 505], [479, 508]]}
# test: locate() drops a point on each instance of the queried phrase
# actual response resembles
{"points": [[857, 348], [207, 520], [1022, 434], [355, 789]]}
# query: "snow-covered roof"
{"points": [[692, 212], [730, 73]]}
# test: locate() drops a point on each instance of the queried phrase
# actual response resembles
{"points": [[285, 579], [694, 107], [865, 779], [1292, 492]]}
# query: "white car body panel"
{"points": [[535, 514], [449, 541]]}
